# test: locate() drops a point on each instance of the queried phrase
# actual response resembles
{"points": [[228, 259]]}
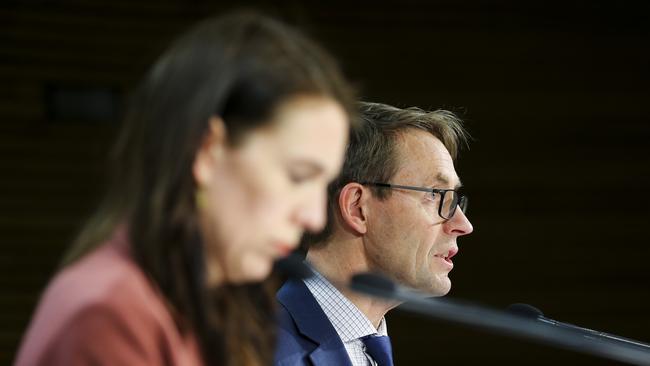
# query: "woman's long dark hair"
{"points": [[239, 67]]}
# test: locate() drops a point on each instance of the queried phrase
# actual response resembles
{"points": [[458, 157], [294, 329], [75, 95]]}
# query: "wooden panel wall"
{"points": [[555, 94]]}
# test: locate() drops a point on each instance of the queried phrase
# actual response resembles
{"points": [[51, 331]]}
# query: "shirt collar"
{"points": [[349, 322]]}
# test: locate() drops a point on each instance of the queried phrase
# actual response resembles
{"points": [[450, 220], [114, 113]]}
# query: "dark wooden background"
{"points": [[556, 95]]}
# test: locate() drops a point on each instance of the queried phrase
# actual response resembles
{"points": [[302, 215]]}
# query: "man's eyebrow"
{"points": [[441, 178]]}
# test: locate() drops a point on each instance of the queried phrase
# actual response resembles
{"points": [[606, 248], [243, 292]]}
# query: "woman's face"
{"points": [[256, 199]]}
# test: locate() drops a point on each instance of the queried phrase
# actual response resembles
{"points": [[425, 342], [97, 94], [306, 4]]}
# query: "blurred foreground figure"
{"points": [[222, 163], [395, 209]]}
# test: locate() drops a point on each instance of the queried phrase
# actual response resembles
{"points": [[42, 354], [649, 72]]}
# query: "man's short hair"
{"points": [[372, 154]]}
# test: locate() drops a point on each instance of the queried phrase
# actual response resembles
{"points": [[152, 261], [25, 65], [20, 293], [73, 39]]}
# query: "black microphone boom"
{"points": [[532, 312], [498, 321], [293, 266]]}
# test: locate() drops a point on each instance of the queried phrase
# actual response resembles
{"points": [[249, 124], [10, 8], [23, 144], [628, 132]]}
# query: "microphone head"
{"points": [[373, 284], [525, 310], [293, 266]]}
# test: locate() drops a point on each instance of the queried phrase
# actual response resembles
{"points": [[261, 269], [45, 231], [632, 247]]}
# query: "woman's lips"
{"points": [[283, 248]]}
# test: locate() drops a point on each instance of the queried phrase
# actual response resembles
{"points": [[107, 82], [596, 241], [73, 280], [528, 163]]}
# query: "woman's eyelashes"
{"points": [[299, 177], [303, 172]]}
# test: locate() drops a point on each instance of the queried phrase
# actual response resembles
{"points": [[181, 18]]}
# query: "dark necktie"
{"points": [[379, 348]]}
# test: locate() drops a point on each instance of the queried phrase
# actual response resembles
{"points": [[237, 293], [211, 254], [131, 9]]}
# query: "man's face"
{"points": [[405, 238]]}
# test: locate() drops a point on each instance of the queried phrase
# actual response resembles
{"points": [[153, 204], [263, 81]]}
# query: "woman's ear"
{"points": [[352, 207], [210, 153]]}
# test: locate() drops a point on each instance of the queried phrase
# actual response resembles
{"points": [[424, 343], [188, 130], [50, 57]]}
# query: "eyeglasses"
{"points": [[450, 199]]}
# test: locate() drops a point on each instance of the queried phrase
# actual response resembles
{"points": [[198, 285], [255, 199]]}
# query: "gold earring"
{"points": [[200, 198]]}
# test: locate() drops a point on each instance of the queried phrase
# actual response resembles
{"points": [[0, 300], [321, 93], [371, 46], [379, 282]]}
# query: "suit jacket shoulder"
{"points": [[305, 334]]}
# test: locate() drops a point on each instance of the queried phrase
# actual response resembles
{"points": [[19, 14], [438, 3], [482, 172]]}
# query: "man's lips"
{"points": [[447, 256]]}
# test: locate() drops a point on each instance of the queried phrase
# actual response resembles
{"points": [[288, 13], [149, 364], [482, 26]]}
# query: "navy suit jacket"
{"points": [[305, 334]]}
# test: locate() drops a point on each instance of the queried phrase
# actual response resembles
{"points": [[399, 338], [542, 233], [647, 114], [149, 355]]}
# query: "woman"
{"points": [[222, 162]]}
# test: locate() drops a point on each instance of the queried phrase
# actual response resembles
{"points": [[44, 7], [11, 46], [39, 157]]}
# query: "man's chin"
{"points": [[439, 288], [435, 287]]}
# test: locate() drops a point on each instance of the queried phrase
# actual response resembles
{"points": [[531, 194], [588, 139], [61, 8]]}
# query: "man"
{"points": [[394, 209]]}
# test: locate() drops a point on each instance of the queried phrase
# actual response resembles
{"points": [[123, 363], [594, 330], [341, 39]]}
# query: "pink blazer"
{"points": [[102, 310]]}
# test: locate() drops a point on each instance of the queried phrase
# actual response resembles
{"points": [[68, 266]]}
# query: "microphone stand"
{"points": [[498, 321], [531, 312]]}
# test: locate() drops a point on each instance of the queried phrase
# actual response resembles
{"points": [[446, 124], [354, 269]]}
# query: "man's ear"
{"points": [[211, 152], [352, 206]]}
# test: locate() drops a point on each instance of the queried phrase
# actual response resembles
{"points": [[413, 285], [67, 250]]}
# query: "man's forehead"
{"points": [[423, 157]]}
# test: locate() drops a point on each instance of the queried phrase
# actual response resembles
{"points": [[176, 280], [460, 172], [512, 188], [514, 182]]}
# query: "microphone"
{"points": [[497, 321], [531, 312], [293, 266]]}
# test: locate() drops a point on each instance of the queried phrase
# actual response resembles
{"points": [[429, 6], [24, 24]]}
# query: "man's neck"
{"points": [[338, 261]]}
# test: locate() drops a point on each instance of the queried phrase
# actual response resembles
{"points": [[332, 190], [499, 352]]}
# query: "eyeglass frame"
{"points": [[462, 199]]}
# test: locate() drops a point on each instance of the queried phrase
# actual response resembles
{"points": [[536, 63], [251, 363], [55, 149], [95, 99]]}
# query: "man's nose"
{"points": [[459, 224]]}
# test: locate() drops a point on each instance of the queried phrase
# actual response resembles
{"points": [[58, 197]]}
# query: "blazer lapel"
{"points": [[312, 323]]}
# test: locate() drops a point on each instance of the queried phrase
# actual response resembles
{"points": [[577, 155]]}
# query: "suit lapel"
{"points": [[312, 323]]}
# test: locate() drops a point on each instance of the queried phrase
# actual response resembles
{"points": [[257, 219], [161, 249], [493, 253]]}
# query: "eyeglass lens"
{"points": [[450, 201]]}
